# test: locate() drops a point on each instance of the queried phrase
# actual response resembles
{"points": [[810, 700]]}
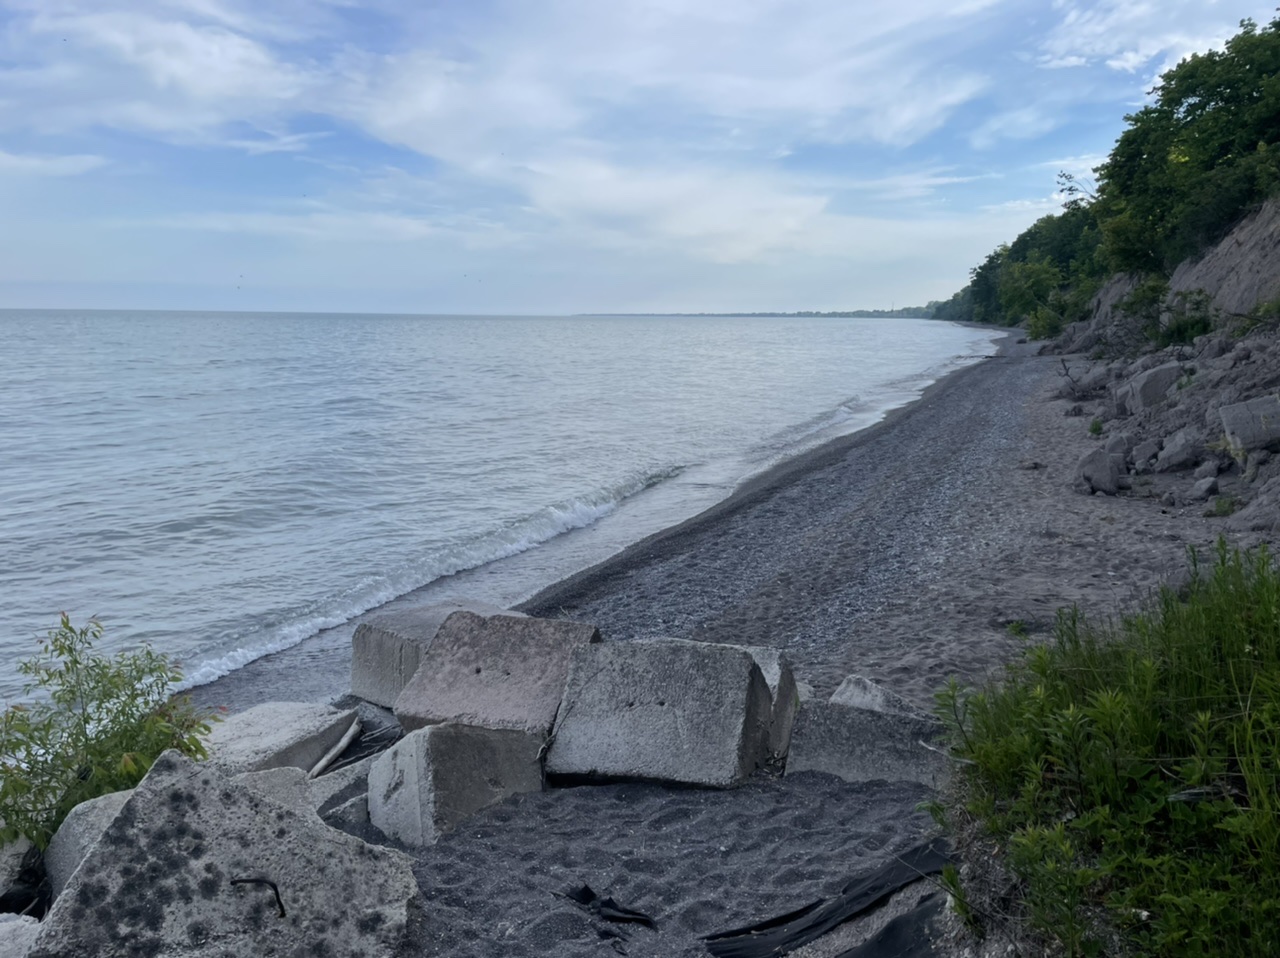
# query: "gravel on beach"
{"points": [[904, 553]]}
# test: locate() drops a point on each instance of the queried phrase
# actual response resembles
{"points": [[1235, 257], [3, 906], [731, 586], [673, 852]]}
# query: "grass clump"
{"points": [[1128, 772], [95, 725]]}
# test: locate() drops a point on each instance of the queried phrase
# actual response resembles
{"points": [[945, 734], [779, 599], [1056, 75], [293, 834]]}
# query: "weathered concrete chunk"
{"points": [[1146, 389], [1098, 471], [437, 776], [776, 669], [1120, 444], [1182, 450], [386, 651], [168, 877], [1251, 425], [861, 745], [77, 835], [662, 709], [504, 672], [276, 735], [861, 693], [17, 935]]}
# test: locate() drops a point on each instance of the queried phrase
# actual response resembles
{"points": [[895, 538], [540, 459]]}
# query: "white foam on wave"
{"points": [[519, 536]]}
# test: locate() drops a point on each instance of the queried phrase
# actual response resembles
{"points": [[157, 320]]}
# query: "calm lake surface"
{"points": [[226, 485]]}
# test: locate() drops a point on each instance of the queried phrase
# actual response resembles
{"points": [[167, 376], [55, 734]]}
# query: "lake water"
{"points": [[226, 485]]}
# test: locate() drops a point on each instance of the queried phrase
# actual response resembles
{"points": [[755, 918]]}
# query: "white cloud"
{"points": [[1141, 36], [35, 165], [1024, 123]]}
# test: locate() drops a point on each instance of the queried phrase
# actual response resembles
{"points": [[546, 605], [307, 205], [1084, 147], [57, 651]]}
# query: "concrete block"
{"points": [[783, 692], [1144, 452], [284, 786], [861, 745], [17, 935], [77, 835], [437, 776], [386, 650], [503, 672], [1099, 471], [168, 878], [1251, 425], [664, 710], [276, 735]]}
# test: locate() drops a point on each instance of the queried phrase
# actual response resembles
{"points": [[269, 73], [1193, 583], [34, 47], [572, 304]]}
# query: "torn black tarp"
{"points": [[607, 908], [783, 934], [907, 936]]}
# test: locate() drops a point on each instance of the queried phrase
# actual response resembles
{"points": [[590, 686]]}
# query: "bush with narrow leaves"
{"points": [[94, 724]]}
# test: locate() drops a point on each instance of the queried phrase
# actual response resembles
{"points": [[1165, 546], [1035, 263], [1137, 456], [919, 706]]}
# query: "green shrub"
{"points": [[95, 726], [1095, 427], [1129, 770]]}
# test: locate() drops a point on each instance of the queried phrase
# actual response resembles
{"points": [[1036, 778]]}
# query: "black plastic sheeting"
{"points": [[783, 934], [906, 936], [607, 908]]}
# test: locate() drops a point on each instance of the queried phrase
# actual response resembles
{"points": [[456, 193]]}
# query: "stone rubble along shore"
{"points": [[251, 852]]}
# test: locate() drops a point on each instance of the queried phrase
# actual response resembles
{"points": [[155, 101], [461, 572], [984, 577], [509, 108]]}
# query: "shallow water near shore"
{"points": [[227, 485]]}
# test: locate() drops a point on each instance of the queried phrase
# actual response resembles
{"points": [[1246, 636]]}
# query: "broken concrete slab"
{"points": [[386, 650], [663, 710], [501, 672], [859, 692], [776, 669], [77, 834], [862, 745], [1251, 425], [197, 864], [284, 786], [276, 735], [17, 935], [438, 776]]}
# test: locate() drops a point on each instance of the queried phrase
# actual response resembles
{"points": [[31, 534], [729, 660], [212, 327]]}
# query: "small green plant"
{"points": [[94, 725], [1095, 427], [1222, 507], [1127, 770], [1018, 629]]}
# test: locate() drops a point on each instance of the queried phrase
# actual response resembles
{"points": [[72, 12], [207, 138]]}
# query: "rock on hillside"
{"points": [[1237, 274]]}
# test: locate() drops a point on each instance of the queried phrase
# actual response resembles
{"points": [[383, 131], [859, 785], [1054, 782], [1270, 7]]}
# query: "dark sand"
{"points": [[901, 553]]}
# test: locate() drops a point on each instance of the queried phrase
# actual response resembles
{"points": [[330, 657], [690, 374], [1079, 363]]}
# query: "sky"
{"points": [[552, 156]]}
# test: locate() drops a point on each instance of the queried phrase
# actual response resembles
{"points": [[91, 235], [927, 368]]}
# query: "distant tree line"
{"points": [[1186, 169]]}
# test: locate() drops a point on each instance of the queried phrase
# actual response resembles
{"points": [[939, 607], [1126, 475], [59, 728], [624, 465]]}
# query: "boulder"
{"points": [[1205, 488], [664, 710], [503, 672], [437, 776], [77, 835], [1182, 450], [1146, 389], [864, 734], [1143, 454], [17, 935], [1099, 471], [1251, 425], [276, 735], [1207, 469], [1120, 444], [386, 650], [198, 864]]}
